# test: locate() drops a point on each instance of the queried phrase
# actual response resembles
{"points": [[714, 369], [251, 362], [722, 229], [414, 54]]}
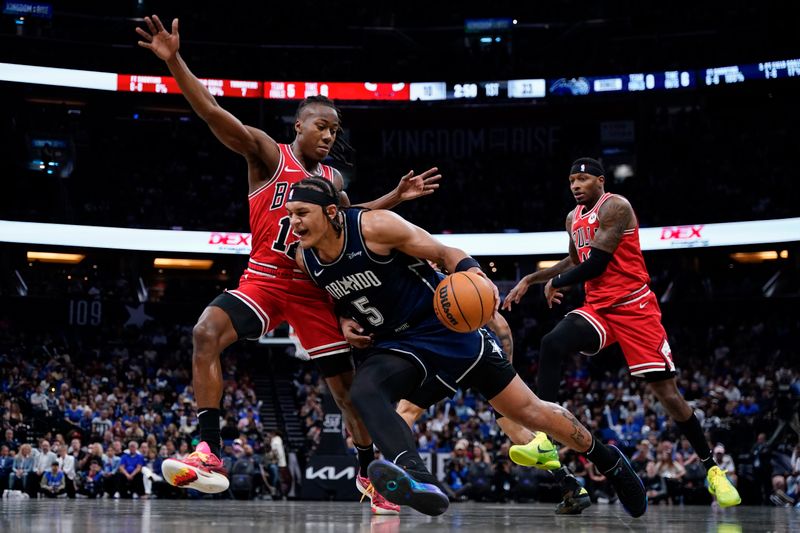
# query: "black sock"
{"points": [[708, 462], [693, 432], [208, 418], [566, 480], [366, 454], [602, 456]]}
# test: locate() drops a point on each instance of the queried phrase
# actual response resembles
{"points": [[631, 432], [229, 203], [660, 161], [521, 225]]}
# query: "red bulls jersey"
{"points": [[272, 252], [626, 275]]}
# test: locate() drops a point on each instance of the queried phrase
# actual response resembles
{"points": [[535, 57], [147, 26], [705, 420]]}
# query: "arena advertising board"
{"points": [[479, 244]]}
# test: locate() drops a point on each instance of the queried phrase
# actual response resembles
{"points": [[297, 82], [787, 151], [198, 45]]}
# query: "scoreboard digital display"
{"points": [[482, 91], [135, 83], [768, 70], [644, 81], [297, 90]]}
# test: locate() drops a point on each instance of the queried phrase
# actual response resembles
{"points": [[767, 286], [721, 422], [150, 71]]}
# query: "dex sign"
{"points": [[681, 232]]}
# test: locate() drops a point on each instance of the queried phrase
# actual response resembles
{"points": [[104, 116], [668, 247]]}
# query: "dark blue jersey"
{"points": [[390, 296], [385, 294]]}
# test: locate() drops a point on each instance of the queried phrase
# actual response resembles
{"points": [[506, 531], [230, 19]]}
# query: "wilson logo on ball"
{"points": [[464, 301], [445, 303]]}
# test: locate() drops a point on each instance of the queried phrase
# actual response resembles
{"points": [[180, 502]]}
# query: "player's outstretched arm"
{"points": [[227, 128], [541, 276], [410, 187], [385, 231]]}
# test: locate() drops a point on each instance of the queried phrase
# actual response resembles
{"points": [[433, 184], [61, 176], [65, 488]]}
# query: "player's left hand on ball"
{"points": [[354, 333], [411, 186], [552, 294]]}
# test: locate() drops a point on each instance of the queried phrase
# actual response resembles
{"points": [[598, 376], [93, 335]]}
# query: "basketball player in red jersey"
{"points": [[605, 255], [272, 289]]}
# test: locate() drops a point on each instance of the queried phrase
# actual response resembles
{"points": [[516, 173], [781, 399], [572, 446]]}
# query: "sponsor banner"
{"points": [[329, 477], [333, 434], [480, 244]]}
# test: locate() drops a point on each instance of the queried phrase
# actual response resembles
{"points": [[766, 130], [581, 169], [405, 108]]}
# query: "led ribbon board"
{"points": [[481, 244]]}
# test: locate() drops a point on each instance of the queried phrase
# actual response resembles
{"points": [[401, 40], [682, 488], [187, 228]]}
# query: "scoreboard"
{"points": [[401, 91]]}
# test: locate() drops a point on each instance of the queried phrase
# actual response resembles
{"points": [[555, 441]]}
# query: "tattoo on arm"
{"points": [[616, 216], [507, 342]]}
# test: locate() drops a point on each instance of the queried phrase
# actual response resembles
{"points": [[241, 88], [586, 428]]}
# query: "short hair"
{"points": [[341, 151], [320, 100]]}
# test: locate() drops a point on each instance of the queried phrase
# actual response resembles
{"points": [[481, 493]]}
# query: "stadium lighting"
{"points": [[187, 264], [754, 257], [541, 265], [54, 257]]}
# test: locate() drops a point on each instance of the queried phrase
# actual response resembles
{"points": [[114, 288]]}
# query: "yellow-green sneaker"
{"points": [[722, 488], [574, 502], [539, 452]]}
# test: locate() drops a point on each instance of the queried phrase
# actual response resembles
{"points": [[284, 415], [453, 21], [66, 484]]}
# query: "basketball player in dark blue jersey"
{"points": [[373, 263]]}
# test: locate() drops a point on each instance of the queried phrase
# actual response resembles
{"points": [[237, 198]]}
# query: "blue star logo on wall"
{"points": [[136, 316]]}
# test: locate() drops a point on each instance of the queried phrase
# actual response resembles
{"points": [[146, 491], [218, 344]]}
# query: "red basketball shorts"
{"points": [[306, 307], [636, 325]]}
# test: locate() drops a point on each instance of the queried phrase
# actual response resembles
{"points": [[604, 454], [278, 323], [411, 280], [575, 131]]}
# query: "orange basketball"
{"points": [[464, 301]]}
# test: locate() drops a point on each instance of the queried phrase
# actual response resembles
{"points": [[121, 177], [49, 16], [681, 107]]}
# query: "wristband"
{"points": [[467, 263]]}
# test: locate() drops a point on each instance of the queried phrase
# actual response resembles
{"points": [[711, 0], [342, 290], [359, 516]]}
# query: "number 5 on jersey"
{"points": [[374, 316]]}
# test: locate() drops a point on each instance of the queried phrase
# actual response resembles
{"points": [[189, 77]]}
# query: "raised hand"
{"points": [[411, 186], [161, 42], [552, 295], [516, 294]]}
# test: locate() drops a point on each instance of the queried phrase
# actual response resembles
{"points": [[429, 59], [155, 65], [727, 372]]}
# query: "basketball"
{"points": [[464, 301]]}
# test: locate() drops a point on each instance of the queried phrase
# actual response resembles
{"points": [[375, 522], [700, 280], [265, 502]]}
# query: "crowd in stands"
{"points": [[97, 420]]}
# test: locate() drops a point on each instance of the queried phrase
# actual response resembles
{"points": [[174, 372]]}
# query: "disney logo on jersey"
{"points": [[235, 242], [351, 255], [352, 283]]}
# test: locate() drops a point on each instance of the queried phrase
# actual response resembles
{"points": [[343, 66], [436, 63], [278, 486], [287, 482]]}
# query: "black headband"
{"points": [[587, 165], [312, 196]]}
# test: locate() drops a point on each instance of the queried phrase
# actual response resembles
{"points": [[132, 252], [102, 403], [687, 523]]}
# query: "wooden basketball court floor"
{"points": [[222, 516]]}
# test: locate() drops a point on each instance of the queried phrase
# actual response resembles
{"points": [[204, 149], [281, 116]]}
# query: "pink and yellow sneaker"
{"points": [[378, 504], [201, 470]]}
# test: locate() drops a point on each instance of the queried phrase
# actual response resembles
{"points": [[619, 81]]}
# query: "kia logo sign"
{"points": [[681, 232], [230, 239], [329, 473]]}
